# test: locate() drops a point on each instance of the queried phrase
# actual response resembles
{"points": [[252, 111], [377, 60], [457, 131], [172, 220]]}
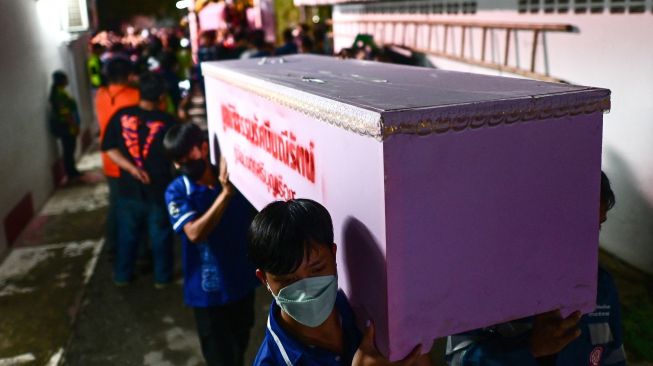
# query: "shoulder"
{"points": [[177, 187], [266, 355], [129, 97], [130, 110], [132, 91]]}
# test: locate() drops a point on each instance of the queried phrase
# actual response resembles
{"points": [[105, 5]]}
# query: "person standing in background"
{"points": [[109, 99], [64, 122], [94, 66], [134, 141]]}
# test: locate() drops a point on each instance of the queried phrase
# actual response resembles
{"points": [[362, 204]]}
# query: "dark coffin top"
{"points": [[380, 99]]}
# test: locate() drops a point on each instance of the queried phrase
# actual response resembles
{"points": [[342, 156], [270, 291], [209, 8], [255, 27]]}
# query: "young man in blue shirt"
{"points": [[547, 339], [212, 218], [310, 321]]}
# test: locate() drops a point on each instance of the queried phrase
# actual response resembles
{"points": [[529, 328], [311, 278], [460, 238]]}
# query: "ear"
{"points": [[334, 249], [177, 166], [261, 276], [205, 148]]}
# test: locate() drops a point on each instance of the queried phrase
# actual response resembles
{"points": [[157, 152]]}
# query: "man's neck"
{"points": [[328, 335], [147, 105], [208, 178]]}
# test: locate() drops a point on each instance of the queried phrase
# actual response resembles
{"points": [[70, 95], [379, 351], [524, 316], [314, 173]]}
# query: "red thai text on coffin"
{"points": [[282, 146], [274, 182]]}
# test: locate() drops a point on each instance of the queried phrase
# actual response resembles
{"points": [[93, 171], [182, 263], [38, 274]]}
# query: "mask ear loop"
{"points": [[267, 284]]}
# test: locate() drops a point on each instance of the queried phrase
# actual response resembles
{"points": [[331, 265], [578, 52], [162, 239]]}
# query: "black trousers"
{"points": [[68, 144], [224, 331]]}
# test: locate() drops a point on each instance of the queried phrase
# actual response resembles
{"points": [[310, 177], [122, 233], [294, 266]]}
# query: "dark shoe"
{"points": [[162, 285], [121, 283]]}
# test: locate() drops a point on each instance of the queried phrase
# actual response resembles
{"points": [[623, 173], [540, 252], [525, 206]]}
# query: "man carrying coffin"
{"points": [[548, 339], [212, 218], [310, 321]]}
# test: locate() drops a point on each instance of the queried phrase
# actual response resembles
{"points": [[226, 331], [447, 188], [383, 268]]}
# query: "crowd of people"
{"points": [[161, 181]]}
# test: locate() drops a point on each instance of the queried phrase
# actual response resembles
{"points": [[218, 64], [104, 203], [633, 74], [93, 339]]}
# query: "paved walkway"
{"points": [[58, 304]]}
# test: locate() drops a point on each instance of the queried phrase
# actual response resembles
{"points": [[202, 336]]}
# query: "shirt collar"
{"points": [[192, 186], [189, 185], [292, 350]]}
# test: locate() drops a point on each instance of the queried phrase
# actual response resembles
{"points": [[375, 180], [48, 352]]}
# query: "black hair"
{"points": [[257, 38], [151, 87], [287, 35], [181, 138], [117, 47], [168, 60], [607, 195], [59, 78], [307, 44], [118, 70], [281, 235]]}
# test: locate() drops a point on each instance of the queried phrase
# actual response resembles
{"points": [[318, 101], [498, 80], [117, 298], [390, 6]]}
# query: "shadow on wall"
{"points": [[629, 230], [367, 278]]}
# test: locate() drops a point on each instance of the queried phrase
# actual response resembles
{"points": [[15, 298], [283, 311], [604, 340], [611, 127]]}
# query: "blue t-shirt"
{"points": [[280, 348], [216, 272]]}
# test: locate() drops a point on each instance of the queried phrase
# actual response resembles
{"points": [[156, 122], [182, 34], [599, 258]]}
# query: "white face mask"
{"points": [[309, 300]]}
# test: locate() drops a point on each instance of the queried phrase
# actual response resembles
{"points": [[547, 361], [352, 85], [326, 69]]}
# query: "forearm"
{"points": [[121, 160], [198, 230]]}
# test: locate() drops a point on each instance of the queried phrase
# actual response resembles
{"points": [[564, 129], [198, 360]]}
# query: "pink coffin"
{"points": [[459, 200]]}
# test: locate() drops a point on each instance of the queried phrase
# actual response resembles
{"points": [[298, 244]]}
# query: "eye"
{"points": [[319, 269]]}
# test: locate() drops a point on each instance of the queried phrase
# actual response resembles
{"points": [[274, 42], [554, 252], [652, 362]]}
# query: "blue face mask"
{"points": [[310, 300]]}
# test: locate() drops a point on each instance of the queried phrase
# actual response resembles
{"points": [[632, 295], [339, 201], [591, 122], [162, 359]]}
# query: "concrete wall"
{"points": [[33, 46], [608, 50]]}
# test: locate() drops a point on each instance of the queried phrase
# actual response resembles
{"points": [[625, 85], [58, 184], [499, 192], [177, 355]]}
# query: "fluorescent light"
{"points": [[183, 4]]}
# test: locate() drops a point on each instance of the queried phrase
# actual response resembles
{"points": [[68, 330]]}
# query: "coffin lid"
{"points": [[381, 100]]}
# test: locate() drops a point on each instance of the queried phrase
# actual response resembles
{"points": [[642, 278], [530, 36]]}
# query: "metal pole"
{"points": [[536, 35], [505, 60]]}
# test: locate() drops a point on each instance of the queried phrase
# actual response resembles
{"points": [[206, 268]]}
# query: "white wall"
{"points": [[611, 51], [32, 48]]}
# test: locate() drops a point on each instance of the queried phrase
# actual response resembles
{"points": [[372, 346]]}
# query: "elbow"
{"points": [[194, 232], [194, 236]]}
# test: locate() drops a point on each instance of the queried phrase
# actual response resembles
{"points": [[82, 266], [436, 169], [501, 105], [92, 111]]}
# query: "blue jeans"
{"points": [[112, 216], [132, 216]]}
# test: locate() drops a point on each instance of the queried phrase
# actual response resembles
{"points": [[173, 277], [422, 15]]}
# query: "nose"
{"points": [[603, 218]]}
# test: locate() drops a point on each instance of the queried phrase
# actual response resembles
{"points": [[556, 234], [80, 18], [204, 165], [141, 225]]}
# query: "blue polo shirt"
{"points": [[280, 348], [216, 272]]}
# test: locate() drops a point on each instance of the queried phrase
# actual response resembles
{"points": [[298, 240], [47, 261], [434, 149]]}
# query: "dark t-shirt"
{"points": [[138, 134]]}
